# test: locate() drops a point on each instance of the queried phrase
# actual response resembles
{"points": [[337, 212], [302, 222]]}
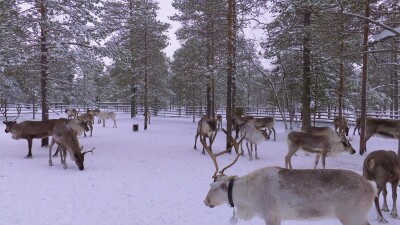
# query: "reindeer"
{"points": [[341, 122], [206, 128], [33, 129], [382, 167], [281, 194], [94, 112], [237, 122], [67, 139], [357, 126], [87, 118], [320, 145], [320, 131], [254, 136], [107, 115], [218, 119], [71, 113], [388, 128], [265, 122]]}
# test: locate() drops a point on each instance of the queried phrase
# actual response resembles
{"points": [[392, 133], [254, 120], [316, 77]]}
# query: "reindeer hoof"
{"points": [[28, 157], [394, 214], [50, 164], [385, 209], [382, 220], [257, 158]]}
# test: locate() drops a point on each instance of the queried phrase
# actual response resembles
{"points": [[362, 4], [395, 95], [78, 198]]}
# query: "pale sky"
{"points": [[167, 10]]}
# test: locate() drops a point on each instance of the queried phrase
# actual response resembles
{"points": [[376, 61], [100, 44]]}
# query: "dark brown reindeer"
{"points": [[341, 123], [321, 145], [383, 167], [206, 128], [30, 130], [67, 140]]}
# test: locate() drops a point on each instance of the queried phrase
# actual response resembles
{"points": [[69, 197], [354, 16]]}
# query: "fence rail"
{"points": [[186, 111]]}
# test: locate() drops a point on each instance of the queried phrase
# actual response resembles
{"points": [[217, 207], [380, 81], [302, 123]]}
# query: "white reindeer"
{"points": [[275, 194], [254, 136], [107, 115]]}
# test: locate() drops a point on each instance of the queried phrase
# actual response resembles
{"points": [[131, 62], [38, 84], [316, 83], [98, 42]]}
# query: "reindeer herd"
{"points": [[64, 132], [277, 194]]}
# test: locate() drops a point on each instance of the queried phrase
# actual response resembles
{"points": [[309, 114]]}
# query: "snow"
{"points": [[147, 177], [385, 34]]}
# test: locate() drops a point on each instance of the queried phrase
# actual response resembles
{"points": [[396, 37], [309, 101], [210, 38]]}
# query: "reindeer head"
{"points": [[9, 124], [265, 134], [217, 195], [346, 144], [79, 158]]}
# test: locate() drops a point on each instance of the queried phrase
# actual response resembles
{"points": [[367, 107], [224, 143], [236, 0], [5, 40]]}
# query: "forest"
{"points": [[328, 54]]}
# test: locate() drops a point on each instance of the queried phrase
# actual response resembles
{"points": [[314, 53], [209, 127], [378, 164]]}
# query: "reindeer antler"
{"points": [[83, 153], [214, 156]]}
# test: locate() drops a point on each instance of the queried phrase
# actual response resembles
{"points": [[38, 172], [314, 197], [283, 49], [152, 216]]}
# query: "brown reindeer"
{"points": [[94, 112], [341, 123], [30, 130], [67, 139], [320, 145], [206, 128], [383, 167], [87, 118], [388, 128]]}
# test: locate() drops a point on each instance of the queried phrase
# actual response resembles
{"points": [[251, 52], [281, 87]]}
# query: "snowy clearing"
{"points": [[149, 177]]}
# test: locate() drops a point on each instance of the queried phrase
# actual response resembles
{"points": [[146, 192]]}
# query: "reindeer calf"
{"points": [[382, 167]]}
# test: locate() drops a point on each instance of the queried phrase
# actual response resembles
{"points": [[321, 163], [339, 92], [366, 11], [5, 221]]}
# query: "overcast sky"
{"points": [[167, 10]]}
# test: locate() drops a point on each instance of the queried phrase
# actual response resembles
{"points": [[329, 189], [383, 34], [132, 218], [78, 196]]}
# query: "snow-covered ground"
{"points": [[149, 177]]}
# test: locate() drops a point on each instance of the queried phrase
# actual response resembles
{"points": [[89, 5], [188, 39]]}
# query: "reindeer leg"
{"points": [[115, 123], [29, 156], [316, 161], [91, 129], [376, 201], [385, 207], [249, 150], [393, 213], [273, 129], [50, 148], [323, 158], [104, 122], [255, 149], [195, 140]]}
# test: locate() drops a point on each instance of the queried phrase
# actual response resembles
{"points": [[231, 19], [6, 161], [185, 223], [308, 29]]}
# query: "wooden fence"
{"points": [[178, 111]]}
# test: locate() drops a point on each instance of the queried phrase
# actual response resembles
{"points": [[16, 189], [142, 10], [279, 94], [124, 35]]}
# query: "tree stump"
{"points": [[135, 127]]}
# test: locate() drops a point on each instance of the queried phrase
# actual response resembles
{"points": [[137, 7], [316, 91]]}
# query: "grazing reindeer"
{"points": [[67, 139], [382, 167], [237, 122], [341, 123], [320, 145], [254, 136], [33, 129], [71, 113], [218, 119], [265, 122], [107, 115], [87, 118], [206, 128], [277, 194]]}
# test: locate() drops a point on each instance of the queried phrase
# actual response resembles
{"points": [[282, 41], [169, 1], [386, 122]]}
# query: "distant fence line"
{"points": [[187, 111]]}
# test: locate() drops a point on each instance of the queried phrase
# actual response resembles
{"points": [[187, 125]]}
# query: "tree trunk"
{"points": [[306, 113], [364, 81], [230, 68], [132, 50], [44, 65]]}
